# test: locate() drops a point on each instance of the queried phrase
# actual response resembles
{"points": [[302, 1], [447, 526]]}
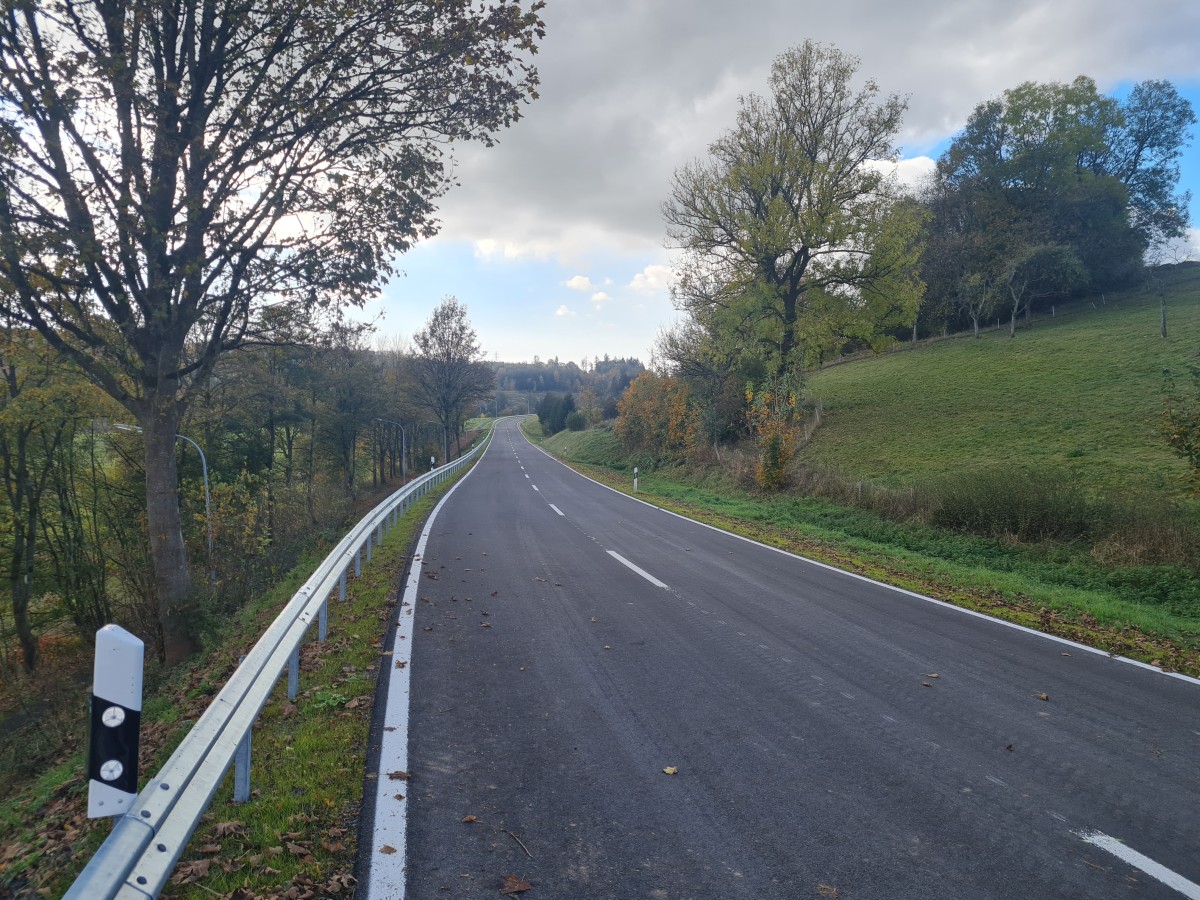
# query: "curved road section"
{"points": [[610, 701]]}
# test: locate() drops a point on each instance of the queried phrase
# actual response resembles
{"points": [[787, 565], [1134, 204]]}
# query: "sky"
{"points": [[554, 238]]}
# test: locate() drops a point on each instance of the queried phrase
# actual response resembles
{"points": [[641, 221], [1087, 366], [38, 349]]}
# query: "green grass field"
{"points": [[1080, 394]]}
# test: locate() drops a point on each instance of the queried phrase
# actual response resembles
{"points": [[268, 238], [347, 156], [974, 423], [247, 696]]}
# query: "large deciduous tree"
{"points": [[168, 168], [449, 370], [1058, 166], [791, 232]]}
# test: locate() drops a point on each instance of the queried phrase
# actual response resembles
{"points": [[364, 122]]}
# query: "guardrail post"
{"points": [[358, 561], [294, 673], [379, 536], [370, 536], [323, 620], [342, 586], [241, 764]]}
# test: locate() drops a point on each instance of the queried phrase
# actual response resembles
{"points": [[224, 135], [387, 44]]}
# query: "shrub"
{"points": [[577, 421], [1028, 506]]}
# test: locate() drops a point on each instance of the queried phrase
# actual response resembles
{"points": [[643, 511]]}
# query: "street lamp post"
{"points": [[212, 572], [403, 442]]}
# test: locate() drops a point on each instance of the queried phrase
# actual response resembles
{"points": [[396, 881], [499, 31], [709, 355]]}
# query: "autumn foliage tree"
{"points": [[656, 417], [168, 170]]}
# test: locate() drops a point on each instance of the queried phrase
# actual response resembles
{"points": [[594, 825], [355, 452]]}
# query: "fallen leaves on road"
{"points": [[398, 775], [1043, 696], [514, 884], [827, 890], [469, 820], [671, 770], [387, 849], [932, 675]]}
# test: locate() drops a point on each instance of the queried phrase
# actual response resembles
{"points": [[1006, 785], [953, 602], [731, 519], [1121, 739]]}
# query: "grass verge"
{"points": [[297, 835], [1051, 589]]}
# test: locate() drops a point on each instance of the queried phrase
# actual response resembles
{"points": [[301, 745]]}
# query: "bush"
{"points": [[577, 421], [1028, 506]]}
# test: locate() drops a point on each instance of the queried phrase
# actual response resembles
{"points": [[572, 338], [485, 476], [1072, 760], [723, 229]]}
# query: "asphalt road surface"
{"points": [[830, 737]]}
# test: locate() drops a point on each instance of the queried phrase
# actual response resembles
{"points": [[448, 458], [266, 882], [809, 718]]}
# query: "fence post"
{"points": [[323, 620], [358, 561], [342, 586]]}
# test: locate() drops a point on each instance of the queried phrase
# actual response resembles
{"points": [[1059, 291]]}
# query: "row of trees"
{"points": [[795, 244], [292, 433], [178, 180]]}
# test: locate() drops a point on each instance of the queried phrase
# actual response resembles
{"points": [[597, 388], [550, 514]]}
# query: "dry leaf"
{"points": [[224, 829], [353, 704], [932, 675], [513, 884], [387, 849], [210, 848], [827, 890], [926, 684], [468, 820], [398, 775], [400, 663], [1009, 748], [1043, 696], [671, 770]]}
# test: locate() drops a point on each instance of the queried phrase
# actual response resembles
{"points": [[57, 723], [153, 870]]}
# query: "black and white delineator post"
{"points": [[115, 709]]}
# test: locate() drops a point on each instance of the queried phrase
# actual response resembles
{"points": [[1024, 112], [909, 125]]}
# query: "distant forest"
{"points": [[608, 378]]}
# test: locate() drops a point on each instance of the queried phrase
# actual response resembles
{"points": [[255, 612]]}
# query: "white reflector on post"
{"points": [[115, 713]]}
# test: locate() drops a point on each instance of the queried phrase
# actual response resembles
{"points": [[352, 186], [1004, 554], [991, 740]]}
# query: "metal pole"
{"points": [[294, 673]]}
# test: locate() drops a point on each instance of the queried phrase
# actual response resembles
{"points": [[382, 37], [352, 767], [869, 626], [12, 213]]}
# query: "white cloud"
{"points": [[579, 283], [600, 297], [653, 279], [564, 311]]}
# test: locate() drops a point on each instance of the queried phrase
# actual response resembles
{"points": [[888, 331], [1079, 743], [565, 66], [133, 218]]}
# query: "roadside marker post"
{"points": [[115, 714], [635, 477]]}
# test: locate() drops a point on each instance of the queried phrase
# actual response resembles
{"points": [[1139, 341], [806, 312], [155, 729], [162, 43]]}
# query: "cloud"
{"points": [[579, 283], [653, 279], [632, 90], [600, 297], [563, 311]]}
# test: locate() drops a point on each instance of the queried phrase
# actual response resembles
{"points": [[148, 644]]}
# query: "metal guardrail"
{"points": [[136, 860]]}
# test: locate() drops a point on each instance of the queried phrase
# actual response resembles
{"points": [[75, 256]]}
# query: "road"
{"points": [[830, 736]]}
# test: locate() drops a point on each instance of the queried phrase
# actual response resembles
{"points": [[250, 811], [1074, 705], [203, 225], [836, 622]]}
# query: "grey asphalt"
{"points": [[832, 737]]}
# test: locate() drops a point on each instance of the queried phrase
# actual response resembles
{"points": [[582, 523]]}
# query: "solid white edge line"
{"points": [[1171, 879], [623, 561], [891, 587], [557, 510], [386, 871]]}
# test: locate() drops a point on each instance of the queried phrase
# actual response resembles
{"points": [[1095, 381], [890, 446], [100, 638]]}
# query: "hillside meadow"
{"points": [[1080, 394]]}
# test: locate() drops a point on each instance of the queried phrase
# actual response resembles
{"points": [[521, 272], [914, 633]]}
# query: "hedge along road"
{"points": [[608, 700]]}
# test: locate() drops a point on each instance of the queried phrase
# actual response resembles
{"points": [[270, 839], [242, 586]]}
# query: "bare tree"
{"points": [[449, 370], [169, 168]]}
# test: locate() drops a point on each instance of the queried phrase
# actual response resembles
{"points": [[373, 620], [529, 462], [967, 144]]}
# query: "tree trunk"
{"points": [[445, 443], [172, 581], [1162, 311], [21, 577], [975, 325]]}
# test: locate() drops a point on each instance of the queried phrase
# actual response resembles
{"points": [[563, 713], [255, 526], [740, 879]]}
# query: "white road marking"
{"points": [[994, 780], [623, 561], [535, 487], [556, 509], [526, 474], [889, 719], [1173, 880]]}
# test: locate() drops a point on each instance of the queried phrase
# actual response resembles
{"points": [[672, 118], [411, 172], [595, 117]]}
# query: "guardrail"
{"points": [[146, 842]]}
